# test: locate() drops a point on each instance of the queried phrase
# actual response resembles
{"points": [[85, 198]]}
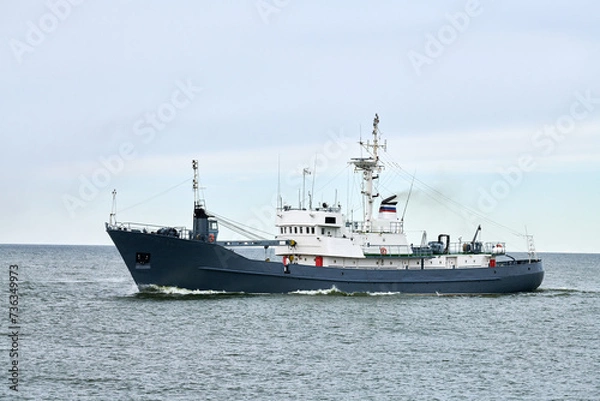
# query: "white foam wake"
{"points": [[334, 290], [156, 289]]}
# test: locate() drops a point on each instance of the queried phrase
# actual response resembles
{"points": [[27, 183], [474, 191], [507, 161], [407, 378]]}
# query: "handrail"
{"points": [[181, 231], [395, 227], [461, 248], [454, 248]]}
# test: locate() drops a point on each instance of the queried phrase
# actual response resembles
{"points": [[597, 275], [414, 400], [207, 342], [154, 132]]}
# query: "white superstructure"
{"points": [[323, 237]]}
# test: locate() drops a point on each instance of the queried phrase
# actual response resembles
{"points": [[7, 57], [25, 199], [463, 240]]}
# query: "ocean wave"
{"points": [[564, 291], [162, 292], [334, 291], [178, 291], [167, 292], [82, 281], [331, 291], [384, 294]]}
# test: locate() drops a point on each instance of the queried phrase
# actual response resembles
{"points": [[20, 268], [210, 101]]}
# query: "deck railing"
{"points": [[494, 248], [394, 227], [178, 232], [184, 233]]}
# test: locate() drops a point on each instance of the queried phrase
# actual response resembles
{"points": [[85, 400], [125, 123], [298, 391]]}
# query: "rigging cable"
{"points": [[440, 197], [156, 195], [250, 232]]}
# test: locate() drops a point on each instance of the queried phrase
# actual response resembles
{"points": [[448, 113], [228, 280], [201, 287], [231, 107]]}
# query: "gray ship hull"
{"points": [[197, 265]]}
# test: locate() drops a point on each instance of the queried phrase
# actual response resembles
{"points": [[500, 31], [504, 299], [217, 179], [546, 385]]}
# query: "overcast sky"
{"points": [[494, 105]]}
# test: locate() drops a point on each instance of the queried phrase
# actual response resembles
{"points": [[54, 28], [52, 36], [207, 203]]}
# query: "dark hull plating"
{"points": [[198, 265]]}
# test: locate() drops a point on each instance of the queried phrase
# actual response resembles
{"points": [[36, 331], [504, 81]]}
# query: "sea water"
{"points": [[86, 333]]}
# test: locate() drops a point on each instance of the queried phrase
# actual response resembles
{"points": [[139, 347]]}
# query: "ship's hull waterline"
{"points": [[198, 265]]}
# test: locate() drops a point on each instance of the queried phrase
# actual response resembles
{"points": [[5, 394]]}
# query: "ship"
{"points": [[318, 248]]}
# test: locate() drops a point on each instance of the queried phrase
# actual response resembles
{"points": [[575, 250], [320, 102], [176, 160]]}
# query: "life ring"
{"points": [[498, 249], [383, 250], [211, 238]]}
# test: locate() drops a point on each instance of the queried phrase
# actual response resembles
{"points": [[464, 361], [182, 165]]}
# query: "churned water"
{"points": [[86, 333]]}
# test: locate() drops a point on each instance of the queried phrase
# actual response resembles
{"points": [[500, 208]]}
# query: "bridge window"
{"points": [[329, 220]]}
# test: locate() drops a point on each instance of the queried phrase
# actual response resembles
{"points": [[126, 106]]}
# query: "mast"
{"points": [[370, 166], [305, 171], [201, 228], [113, 212], [197, 202], [279, 200]]}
